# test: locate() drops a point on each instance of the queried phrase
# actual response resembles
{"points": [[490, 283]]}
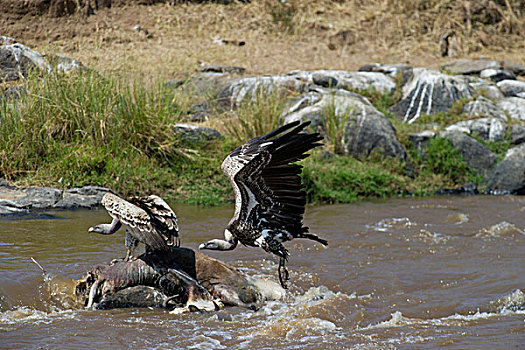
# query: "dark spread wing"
{"points": [[162, 217], [267, 185], [137, 220]]}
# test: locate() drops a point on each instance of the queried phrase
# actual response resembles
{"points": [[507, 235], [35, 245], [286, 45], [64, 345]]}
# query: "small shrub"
{"points": [[334, 124], [442, 158], [255, 117], [282, 13]]}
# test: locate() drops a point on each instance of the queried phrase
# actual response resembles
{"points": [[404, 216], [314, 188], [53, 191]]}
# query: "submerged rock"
{"points": [[467, 189], [509, 175]]}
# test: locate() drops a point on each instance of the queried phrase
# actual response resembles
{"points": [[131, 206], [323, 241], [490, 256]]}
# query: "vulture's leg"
{"points": [[276, 247], [284, 276], [131, 244]]}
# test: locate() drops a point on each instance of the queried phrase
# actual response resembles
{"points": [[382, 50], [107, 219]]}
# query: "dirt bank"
{"points": [[170, 38]]}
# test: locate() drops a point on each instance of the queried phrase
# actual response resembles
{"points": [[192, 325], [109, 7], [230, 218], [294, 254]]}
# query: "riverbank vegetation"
{"points": [[84, 128]]}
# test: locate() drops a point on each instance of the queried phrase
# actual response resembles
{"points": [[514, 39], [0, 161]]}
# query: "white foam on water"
{"points": [[312, 325], [22, 315], [386, 224], [462, 218], [498, 230], [204, 342], [297, 319], [433, 237], [398, 320], [513, 301]]}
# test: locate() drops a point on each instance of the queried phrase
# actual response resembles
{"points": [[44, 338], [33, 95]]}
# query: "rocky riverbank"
{"points": [[488, 94], [478, 106], [22, 200]]}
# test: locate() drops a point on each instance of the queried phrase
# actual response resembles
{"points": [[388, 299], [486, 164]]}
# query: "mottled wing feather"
{"points": [[162, 217], [268, 189], [127, 213], [137, 221]]}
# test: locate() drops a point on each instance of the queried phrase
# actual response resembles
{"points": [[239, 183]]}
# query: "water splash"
{"points": [[433, 237], [513, 302], [498, 230], [22, 315], [386, 224]]}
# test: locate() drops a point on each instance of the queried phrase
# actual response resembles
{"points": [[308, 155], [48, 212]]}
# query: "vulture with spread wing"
{"points": [[149, 220], [269, 196]]}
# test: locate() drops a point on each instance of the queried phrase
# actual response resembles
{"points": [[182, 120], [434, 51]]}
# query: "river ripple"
{"points": [[442, 272]]}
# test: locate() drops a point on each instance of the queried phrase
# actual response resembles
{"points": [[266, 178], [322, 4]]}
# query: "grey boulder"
{"points": [[350, 80], [492, 129], [513, 106], [512, 87], [196, 134], [483, 107], [359, 128], [466, 66], [478, 157], [497, 75], [430, 92], [509, 175], [23, 199]]}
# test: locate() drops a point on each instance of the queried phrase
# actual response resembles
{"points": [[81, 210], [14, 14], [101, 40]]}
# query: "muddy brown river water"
{"points": [[427, 273]]}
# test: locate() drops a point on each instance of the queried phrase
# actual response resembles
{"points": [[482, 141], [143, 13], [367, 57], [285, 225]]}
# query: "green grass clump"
{"points": [[255, 117], [381, 101], [334, 125], [442, 160], [85, 128], [339, 179]]}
